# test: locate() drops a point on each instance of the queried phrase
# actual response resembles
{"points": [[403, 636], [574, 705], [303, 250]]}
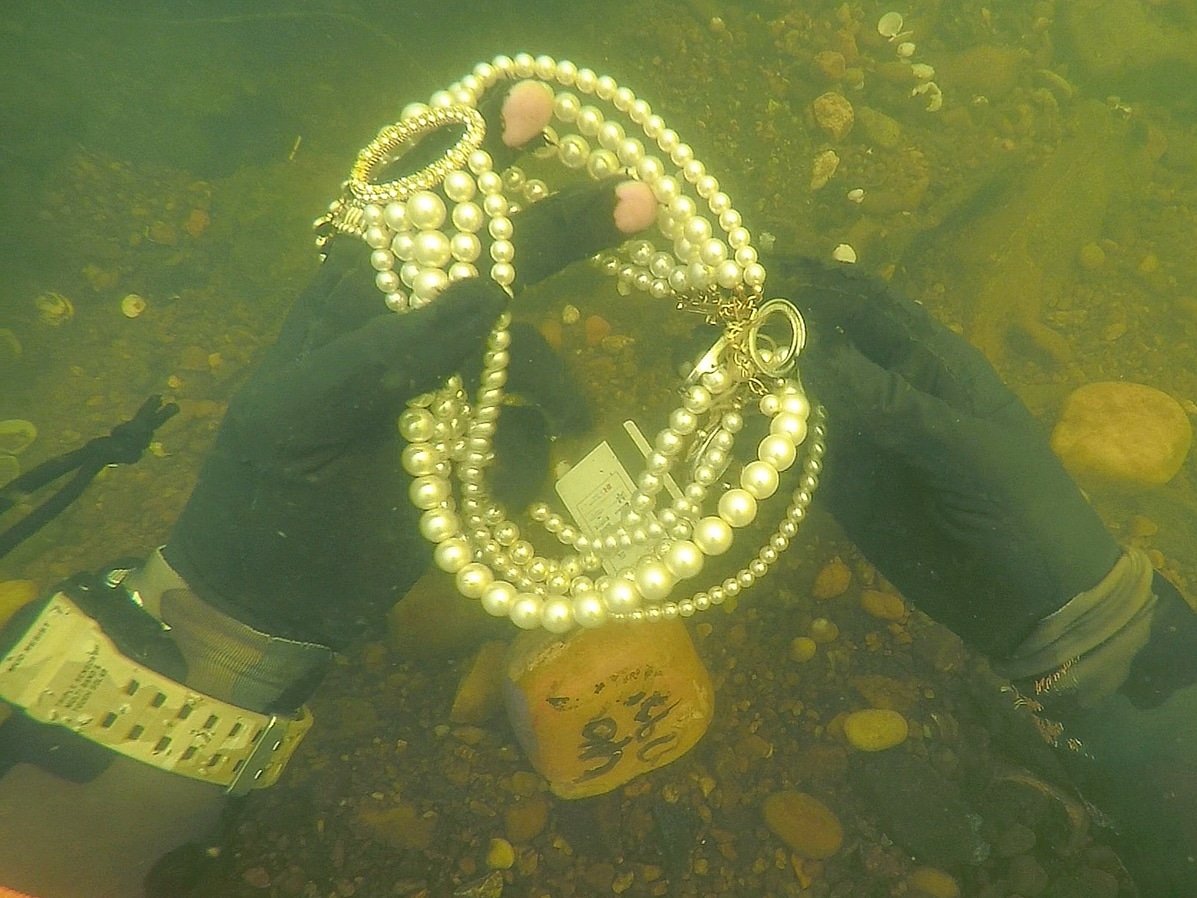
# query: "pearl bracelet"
{"points": [[432, 227]]}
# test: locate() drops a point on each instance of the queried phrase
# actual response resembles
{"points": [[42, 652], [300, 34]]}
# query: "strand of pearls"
{"points": [[431, 228]]}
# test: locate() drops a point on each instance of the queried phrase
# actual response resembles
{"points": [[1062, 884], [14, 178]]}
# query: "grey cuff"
{"points": [[225, 657], [1087, 646]]}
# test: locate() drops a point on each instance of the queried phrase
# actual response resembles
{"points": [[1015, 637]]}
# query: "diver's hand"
{"points": [[300, 523], [936, 469], [946, 482]]}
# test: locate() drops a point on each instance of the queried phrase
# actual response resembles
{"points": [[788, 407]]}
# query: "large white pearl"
{"points": [[777, 450], [684, 559], [713, 535], [654, 580], [429, 491], [473, 580], [737, 507], [620, 595], [395, 215], [525, 611], [467, 217], [498, 598], [431, 248], [452, 555], [683, 421], [589, 610], [425, 209], [459, 186], [760, 479], [697, 399], [465, 247], [415, 424], [789, 425], [438, 525], [795, 404], [557, 615], [419, 459]]}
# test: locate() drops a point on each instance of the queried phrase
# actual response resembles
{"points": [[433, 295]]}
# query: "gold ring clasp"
{"points": [[773, 357]]}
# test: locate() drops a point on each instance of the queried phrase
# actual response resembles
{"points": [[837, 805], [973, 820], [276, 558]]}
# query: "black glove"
{"points": [[946, 482], [300, 524], [936, 470]]}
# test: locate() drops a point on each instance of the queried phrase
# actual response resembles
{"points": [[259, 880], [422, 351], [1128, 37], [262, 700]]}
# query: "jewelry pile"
{"points": [[451, 218]]}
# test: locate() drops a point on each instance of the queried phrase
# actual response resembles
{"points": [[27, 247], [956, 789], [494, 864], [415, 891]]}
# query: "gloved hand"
{"points": [[935, 469], [300, 524], [946, 482]]}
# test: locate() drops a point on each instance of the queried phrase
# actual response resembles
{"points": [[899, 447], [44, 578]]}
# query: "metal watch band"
{"points": [[66, 671]]}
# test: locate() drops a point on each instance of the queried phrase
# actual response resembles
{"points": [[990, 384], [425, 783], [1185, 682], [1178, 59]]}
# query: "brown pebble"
{"points": [[525, 819], [257, 877], [804, 823], [832, 580], [597, 329]]}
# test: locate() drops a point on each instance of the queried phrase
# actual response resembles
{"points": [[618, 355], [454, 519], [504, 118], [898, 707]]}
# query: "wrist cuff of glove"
{"points": [[225, 657], [1084, 651]]}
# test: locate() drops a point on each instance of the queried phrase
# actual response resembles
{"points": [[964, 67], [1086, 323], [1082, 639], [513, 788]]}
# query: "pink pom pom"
{"points": [[526, 111], [635, 206]]}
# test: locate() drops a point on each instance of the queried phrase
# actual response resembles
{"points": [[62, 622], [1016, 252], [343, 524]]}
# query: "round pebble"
{"points": [[804, 823], [500, 855], [802, 649], [823, 630], [875, 729], [882, 605], [1121, 433], [931, 882], [832, 580]]}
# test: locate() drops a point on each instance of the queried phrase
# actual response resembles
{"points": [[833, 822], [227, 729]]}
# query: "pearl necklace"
{"points": [[423, 230]]}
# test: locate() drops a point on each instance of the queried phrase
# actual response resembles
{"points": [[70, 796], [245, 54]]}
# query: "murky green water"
{"points": [[1046, 207]]}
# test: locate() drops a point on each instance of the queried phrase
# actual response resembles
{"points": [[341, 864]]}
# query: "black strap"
{"points": [[124, 445]]}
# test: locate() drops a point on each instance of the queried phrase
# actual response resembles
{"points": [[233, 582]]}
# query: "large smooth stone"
{"points": [[595, 708], [804, 823], [1122, 434]]}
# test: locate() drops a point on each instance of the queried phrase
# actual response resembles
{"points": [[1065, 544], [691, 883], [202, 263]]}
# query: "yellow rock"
{"points": [[1122, 434], [500, 855], [804, 823], [832, 580], [802, 649], [875, 729], [13, 595], [883, 605], [595, 708], [931, 882]]}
